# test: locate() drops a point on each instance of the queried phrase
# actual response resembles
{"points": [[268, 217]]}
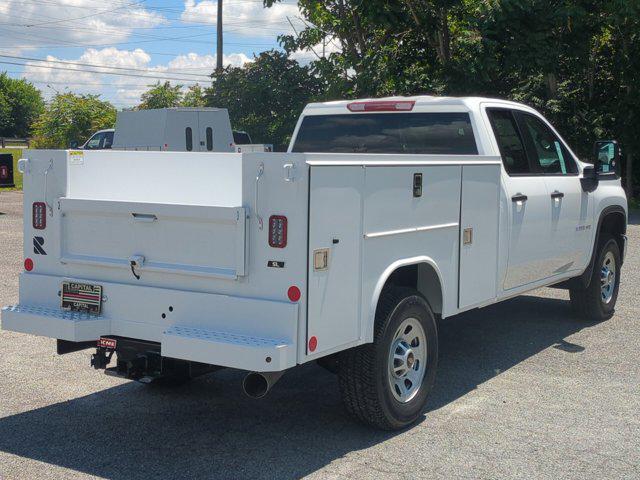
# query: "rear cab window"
{"points": [[436, 133]]}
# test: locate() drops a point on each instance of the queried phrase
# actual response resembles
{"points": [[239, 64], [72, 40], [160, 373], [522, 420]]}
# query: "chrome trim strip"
{"points": [[410, 230]]}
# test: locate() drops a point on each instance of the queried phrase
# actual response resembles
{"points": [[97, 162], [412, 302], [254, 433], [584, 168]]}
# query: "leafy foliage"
{"points": [[577, 61], [20, 105], [194, 97], [161, 95], [70, 117], [265, 97]]}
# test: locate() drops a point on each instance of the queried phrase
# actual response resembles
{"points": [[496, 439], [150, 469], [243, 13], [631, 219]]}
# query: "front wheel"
{"points": [[386, 383], [597, 301]]}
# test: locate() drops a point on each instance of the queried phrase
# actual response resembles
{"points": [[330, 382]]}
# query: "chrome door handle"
{"points": [[519, 197], [557, 195]]}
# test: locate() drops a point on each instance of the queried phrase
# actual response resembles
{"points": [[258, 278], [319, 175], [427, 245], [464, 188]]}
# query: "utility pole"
{"points": [[219, 39]]}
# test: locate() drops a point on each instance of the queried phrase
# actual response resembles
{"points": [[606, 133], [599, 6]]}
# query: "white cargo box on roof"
{"points": [[174, 129], [383, 216]]}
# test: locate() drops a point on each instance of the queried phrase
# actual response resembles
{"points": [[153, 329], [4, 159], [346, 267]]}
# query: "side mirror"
{"points": [[73, 144], [589, 180], [607, 157]]}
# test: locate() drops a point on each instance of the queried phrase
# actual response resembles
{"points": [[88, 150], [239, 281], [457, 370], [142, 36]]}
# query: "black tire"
{"points": [[364, 370], [588, 302]]}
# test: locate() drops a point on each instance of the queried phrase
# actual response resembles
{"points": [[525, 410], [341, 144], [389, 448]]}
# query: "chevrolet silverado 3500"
{"points": [[384, 217]]}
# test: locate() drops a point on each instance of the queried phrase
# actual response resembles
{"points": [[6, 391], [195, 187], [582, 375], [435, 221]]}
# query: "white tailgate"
{"points": [[182, 239]]}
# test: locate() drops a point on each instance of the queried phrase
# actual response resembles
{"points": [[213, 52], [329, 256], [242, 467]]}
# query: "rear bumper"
{"points": [[236, 332]]}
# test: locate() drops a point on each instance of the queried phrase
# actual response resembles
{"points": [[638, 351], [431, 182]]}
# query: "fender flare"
{"points": [[585, 278], [382, 280]]}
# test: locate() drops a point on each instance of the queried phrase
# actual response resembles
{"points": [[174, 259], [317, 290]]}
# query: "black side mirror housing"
{"points": [[607, 157], [589, 180]]}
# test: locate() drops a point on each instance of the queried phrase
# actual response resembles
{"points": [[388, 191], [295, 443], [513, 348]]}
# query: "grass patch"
{"points": [[17, 176], [634, 204]]}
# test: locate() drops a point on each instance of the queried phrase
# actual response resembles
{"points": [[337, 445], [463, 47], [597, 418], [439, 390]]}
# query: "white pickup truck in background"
{"points": [[384, 217]]}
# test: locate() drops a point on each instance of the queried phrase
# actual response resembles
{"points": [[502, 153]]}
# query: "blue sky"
{"points": [[142, 40]]}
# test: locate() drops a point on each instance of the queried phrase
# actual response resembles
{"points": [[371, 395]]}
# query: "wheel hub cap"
{"points": [[608, 277], [407, 360]]}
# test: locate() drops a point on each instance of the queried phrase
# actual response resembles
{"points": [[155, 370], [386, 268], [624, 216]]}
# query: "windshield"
{"points": [[417, 133]]}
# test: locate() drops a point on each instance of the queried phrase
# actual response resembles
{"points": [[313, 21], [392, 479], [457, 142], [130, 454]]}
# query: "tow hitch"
{"points": [[101, 358], [142, 361]]}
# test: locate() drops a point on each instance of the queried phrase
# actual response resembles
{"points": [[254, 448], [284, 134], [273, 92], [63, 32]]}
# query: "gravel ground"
{"points": [[524, 390]]}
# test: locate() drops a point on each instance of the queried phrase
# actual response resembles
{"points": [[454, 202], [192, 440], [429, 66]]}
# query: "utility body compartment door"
{"points": [[335, 236], [479, 218]]}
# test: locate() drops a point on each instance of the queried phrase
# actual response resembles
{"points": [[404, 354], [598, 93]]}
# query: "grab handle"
{"points": [[46, 200], [258, 177]]}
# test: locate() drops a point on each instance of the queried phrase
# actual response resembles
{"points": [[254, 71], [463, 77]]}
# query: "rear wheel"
{"points": [[597, 301], [386, 383]]}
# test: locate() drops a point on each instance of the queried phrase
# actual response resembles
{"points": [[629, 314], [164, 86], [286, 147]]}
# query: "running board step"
{"points": [[53, 322], [227, 349]]}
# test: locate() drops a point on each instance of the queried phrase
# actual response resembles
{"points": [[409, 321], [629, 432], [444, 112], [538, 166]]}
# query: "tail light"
{"points": [[39, 215], [277, 231], [382, 106], [28, 264]]}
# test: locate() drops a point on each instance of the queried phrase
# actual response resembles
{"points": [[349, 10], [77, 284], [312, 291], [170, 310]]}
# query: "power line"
{"points": [[103, 73], [14, 57], [85, 16]]}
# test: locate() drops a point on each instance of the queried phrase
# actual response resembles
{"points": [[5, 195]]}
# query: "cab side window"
{"points": [[514, 155], [547, 152], [108, 140], [95, 142]]}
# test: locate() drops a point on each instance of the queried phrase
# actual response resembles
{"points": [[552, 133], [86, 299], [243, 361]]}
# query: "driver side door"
{"points": [[569, 209]]}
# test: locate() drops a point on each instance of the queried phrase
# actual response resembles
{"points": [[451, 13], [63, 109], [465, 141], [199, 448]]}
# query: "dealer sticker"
{"points": [[76, 157]]}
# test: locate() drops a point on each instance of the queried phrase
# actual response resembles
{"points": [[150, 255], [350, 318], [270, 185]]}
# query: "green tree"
{"points": [[20, 105], [161, 95], [194, 97], [70, 117], [265, 97], [577, 61]]}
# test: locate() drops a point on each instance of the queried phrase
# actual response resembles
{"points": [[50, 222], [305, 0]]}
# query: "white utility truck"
{"points": [[384, 217]]}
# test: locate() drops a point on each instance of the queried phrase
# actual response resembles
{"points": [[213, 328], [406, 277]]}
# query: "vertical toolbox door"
{"points": [[335, 237]]}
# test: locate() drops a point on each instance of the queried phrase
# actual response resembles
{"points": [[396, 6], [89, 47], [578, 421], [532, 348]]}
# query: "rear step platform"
{"points": [[211, 347], [53, 322], [228, 349]]}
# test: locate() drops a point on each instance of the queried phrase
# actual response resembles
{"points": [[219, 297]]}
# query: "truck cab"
{"points": [[101, 140], [385, 217]]}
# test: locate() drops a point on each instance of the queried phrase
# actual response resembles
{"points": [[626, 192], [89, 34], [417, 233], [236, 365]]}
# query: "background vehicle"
{"points": [[174, 129], [101, 140], [384, 217]]}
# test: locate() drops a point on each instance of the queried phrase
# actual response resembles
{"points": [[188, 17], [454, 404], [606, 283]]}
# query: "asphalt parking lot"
{"points": [[524, 390]]}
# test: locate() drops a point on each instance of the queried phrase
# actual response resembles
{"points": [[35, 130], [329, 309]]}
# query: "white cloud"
{"points": [[124, 90], [246, 18], [34, 24]]}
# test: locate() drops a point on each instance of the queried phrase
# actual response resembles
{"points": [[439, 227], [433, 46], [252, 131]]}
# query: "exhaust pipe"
{"points": [[258, 384]]}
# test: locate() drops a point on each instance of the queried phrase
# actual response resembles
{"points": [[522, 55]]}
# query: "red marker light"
{"points": [[28, 264], [313, 344], [294, 293], [382, 106]]}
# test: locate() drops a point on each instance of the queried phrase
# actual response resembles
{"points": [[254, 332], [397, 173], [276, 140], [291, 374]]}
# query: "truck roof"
{"points": [[422, 102]]}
